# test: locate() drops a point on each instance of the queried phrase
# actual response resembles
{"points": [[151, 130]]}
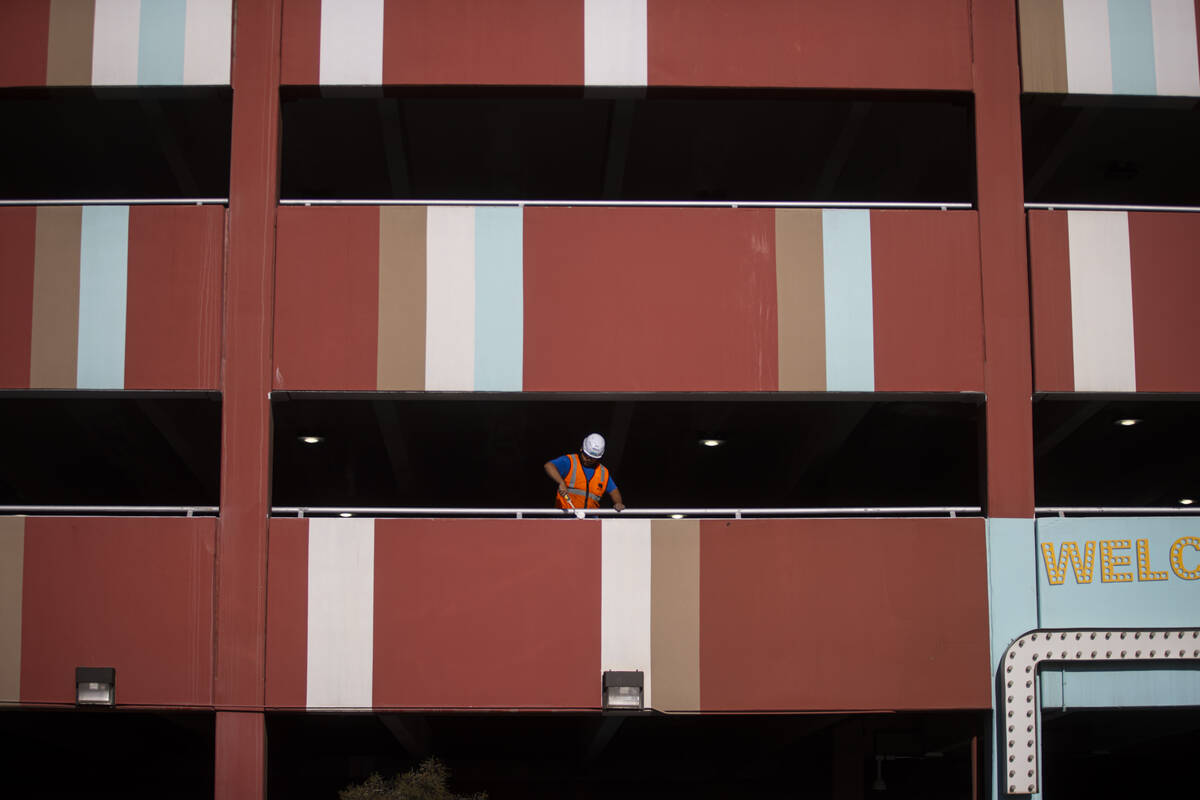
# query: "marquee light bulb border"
{"points": [[1018, 699]]}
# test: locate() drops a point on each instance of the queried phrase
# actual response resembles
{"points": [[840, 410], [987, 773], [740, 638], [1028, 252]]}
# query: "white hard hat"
{"points": [[593, 446]]}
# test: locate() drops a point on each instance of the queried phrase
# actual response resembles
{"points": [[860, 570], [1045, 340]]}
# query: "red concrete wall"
{"points": [[24, 39], [848, 44], [326, 298], [649, 299], [173, 296], [843, 614], [1165, 283], [641, 299], [18, 228], [482, 41], [287, 613], [1050, 295], [1164, 254], [852, 44], [928, 315], [173, 316], [131, 593], [486, 613]]}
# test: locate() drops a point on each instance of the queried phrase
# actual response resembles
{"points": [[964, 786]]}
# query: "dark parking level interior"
{"points": [[1095, 450], [659, 144], [487, 450], [1111, 149], [118, 143], [108, 754], [110, 448], [647, 755]]}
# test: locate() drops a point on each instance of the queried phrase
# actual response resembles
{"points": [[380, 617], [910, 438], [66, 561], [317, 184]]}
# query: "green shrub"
{"points": [[426, 782]]}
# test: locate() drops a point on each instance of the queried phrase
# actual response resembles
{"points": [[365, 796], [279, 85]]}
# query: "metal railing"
{"points": [[1062, 511], [124, 201], [626, 203], [1103, 207], [653, 513], [74, 511]]}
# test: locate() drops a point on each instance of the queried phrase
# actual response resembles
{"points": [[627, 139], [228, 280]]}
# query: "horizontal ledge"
{"points": [[623, 203], [185, 510], [737, 513], [1099, 207], [125, 201]]}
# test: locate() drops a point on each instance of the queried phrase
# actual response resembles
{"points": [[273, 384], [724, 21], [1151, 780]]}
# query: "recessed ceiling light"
{"points": [[345, 514], [677, 516], [1128, 422], [312, 439], [712, 442], [1186, 501]]}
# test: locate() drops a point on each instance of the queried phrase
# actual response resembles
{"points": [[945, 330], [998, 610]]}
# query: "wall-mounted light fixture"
{"points": [[95, 686], [623, 689]]}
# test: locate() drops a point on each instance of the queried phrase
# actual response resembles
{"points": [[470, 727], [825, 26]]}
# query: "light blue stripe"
{"points": [[1121, 686], [849, 320], [103, 267], [1012, 600], [161, 30], [1131, 31], [499, 299]]}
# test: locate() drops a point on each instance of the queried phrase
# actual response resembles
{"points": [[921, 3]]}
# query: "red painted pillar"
{"points": [[1008, 370], [241, 768], [246, 381]]}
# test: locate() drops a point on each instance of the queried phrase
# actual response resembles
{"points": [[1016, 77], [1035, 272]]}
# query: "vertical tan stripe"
{"points": [[69, 56], [12, 567], [1043, 46], [55, 336], [800, 289], [675, 614], [401, 353]]}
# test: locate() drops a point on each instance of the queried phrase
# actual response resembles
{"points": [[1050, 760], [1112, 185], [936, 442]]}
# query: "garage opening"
{"points": [[772, 451], [653, 145], [593, 756], [110, 449], [161, 143], [1113, 451]]}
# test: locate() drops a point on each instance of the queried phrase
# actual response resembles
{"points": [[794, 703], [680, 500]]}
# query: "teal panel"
{"points": [[1121, 686], [499, 299], [161, 31], [849, 307], [1131, 32], [103, 268], [1012, 595], [1171, 601]]}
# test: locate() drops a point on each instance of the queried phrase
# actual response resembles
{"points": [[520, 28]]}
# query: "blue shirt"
{"points": [[563, 465]]}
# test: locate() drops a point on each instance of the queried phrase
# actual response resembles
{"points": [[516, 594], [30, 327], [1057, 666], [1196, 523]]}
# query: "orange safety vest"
{"points": [[584, 493]]}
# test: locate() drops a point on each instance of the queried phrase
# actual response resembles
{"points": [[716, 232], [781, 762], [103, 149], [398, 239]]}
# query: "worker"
{"points": [[586, 479]]}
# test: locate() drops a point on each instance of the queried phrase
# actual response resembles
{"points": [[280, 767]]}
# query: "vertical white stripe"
{"points": [[625, 597], [207, 42], [450, 298], [341, 609], [1101, 301], [352, 42], [115, 42], [1176, 69], [614, 43], [1089, 51]]}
